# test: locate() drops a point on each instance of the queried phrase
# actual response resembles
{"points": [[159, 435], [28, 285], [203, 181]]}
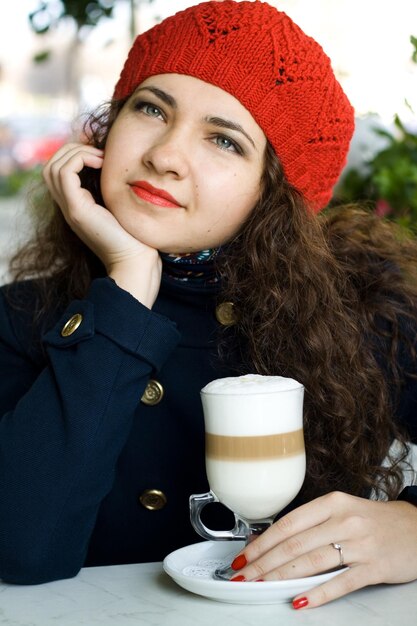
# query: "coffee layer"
{"points": [[257, 448]]}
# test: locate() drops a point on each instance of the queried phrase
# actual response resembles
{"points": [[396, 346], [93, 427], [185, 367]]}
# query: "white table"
{"points": [[135, 595]]}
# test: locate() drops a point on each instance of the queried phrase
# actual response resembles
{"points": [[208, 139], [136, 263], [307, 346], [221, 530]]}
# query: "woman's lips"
{"points": [[159, 197]]}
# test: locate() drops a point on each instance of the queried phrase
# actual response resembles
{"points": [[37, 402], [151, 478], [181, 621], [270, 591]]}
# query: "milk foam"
{"points": [[250, 384], [252, 405]]}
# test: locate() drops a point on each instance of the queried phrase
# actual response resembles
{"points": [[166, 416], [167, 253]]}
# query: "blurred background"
{"points": [[61, 58]]}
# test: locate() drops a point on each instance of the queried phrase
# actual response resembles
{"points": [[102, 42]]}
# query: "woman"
{"points": [[200, 187]]}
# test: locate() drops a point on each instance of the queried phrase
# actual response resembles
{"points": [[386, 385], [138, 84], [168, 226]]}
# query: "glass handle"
{"points": [[197, 502]]}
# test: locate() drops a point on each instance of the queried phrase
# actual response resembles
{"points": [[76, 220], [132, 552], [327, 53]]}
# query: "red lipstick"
{"points": [[151, 194]]}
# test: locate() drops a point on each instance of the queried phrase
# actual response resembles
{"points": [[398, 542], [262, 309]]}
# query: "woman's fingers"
{"points": [[306, 517], [68, 150], [300, 544], [305, 554], [133, 265], [350, 580], [376, 540], [92, 223], [61, 174], [284, 564]]}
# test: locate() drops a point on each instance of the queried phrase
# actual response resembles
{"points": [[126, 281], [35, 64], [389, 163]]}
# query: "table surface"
{"points": [[142, 594]]}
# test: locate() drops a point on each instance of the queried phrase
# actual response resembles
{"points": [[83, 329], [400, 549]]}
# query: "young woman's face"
{"points": [[182, 165]]}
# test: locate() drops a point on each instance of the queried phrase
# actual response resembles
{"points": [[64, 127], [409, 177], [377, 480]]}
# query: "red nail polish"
{"points": [[239, 562], [300, 603], [238, 579], [260, 580]]}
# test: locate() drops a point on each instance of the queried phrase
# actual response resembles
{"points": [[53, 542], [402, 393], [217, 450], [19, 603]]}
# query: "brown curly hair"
{"points": [[322, 299]]}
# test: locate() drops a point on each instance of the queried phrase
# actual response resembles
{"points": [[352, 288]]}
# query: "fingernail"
{"points": [[239, 562], [260, 580], [299, 603], [238, 579]]}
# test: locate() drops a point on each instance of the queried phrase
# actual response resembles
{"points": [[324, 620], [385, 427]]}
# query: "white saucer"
{"points": [[192, 568]]}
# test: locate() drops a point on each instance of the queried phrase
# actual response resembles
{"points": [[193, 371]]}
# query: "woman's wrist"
{"points": [[141, 277]]}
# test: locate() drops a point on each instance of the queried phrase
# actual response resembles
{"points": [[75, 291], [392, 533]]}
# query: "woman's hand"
{"points": [[134, 266], [378, 539]]}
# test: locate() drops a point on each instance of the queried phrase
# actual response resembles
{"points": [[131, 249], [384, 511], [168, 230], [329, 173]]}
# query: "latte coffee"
{"points": [[255, 457]]}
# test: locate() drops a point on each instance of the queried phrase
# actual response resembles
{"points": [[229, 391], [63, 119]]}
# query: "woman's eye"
{"points": [[149, 109], [225, 143]]}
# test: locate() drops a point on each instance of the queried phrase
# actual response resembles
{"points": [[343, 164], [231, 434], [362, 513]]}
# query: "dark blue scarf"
{"points": [[197, 268]]}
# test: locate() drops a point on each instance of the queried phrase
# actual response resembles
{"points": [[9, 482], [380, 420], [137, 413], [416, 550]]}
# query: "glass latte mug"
{"points": [[255, 455]]}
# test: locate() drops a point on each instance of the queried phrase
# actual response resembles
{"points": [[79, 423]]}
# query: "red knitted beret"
{"points": [[282, 76]]}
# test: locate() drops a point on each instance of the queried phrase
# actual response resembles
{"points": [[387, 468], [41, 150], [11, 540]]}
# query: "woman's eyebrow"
{"points": [[162, 95], [220, 122]]}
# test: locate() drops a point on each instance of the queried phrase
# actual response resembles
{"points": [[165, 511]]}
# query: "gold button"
{"points": [[225, 313], [153, 393], [72, 325], [153, 499]]}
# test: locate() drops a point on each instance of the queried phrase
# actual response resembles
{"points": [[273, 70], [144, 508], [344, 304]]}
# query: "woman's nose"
{"points": [[166, 155]]}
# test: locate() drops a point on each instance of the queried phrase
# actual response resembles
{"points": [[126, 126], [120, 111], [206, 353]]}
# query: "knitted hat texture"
{"points": [[280, 75]]}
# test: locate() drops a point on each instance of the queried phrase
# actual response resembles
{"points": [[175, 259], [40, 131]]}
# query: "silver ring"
{"points": [[338, 547]]}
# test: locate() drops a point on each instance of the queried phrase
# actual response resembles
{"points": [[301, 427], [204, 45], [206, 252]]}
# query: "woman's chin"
{"points": [[181, 252]]}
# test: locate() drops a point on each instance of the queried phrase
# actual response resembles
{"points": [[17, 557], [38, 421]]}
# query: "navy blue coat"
{"points": [[78, 446]]}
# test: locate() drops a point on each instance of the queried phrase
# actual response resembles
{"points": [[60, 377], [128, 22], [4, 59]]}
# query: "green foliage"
{"points": [[413, 41], [16, 182], [84, 12], [389, 179], [41, 57]]}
